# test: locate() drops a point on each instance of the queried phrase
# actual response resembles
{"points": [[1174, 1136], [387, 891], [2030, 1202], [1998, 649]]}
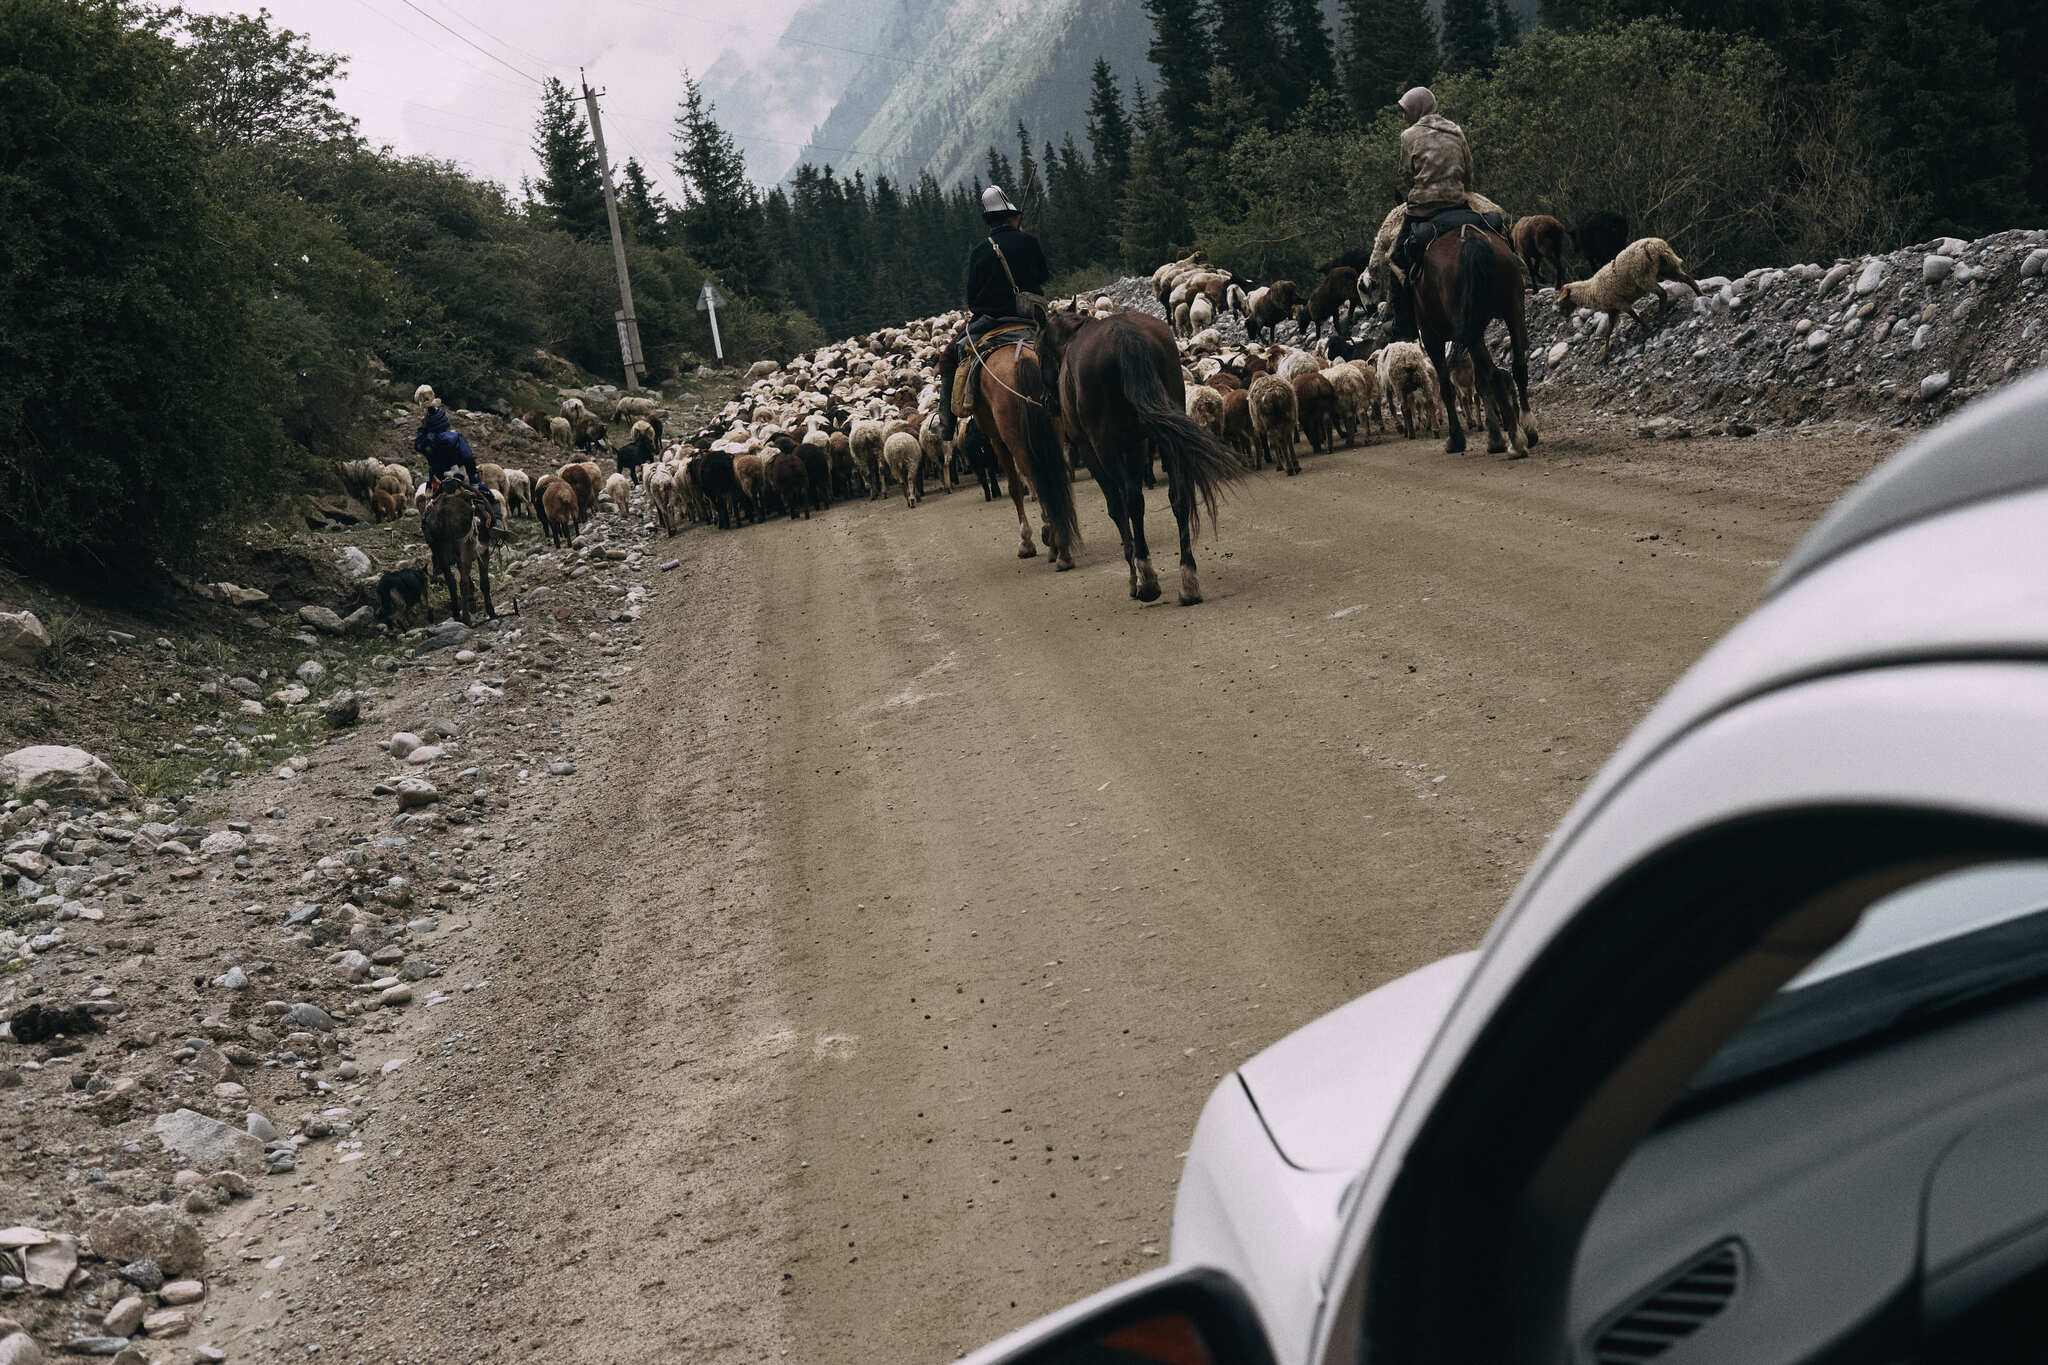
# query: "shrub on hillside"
{"points": [[135, 401]]}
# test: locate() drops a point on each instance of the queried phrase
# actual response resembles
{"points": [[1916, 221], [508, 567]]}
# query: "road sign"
{"points": [[707, 303]]}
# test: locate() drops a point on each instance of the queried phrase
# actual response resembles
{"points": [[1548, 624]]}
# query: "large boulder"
{"points": [[208, 1144], [150, 1232], [59, 772], [22, 637]]}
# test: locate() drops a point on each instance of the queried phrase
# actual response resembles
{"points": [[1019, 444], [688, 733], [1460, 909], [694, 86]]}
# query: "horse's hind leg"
{"points": [[1183, 499], [483, 568], [1026, 549], [1455, 444], [1486, 400], [1119, 499], [1144, 581]]}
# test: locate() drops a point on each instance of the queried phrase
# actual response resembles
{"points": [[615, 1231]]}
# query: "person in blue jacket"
{"points": [[447, 450]]}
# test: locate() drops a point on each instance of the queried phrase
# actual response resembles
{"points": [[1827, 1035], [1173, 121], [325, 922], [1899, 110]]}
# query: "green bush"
{"points": [[136, 402]]}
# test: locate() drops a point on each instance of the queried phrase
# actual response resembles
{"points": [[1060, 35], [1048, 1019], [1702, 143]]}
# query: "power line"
{"points": [[534, 57], [419, 37], [461, 39]]}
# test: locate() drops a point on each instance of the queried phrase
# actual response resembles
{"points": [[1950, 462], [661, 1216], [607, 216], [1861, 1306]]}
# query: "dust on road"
{"points": [[870, 975]]}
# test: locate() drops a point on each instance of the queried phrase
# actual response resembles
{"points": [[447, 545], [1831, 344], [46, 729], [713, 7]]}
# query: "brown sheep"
{"points": [[385, 505], [1276, 418], [784, 472], [1237, 426], [584, 481], [846, 480], [1223, 381], [1316, 407], [1335, 297], [536, 419], [558, 509], [751, 473], [1269, 307], [589, 433], [1539, 238]]}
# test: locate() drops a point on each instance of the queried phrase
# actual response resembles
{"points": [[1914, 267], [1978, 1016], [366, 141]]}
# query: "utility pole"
{"points": [[629, 326]]}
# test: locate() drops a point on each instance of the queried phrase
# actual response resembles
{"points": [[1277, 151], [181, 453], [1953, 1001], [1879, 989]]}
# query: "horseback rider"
{"points": [[1436, 174], [447, 450], [1005, 264]]}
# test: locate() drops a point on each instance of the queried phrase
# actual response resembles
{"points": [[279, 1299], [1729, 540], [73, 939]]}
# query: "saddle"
{"points": [[1423, 231], [1006, 332]]}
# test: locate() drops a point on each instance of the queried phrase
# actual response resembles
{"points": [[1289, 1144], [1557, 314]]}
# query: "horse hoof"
{"points": [[1028, 552], [1529, 435], [1062, 565], [1455, 446], [1187, 601], [1518, 454], [1148, 593], [1496, 447]]}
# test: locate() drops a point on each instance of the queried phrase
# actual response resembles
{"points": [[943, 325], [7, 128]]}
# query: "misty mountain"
{"points": [[897, 87]]}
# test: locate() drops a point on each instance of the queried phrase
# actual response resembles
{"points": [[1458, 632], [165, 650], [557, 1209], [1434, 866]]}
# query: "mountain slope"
{"points": [[960, 74], [770, 101]]}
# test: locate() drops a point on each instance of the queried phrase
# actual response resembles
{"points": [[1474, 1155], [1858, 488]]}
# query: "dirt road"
{"points": [[864, 985]]}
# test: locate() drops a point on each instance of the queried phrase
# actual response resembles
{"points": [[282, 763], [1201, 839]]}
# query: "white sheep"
{"points": [[1201, 312], [518, 492], [1638, 272], [902, 455], [1205, 405], [618, 491], [560, 432], [1354, 399], [1295, 363], [1409, 383], [425, 394]]}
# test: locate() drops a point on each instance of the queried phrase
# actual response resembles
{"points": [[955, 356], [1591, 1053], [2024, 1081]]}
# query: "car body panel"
{"points": [[1950, 737], [1328, 1090], [1243, 1208]]}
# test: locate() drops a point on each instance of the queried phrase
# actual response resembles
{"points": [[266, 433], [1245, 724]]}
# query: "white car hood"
{"points": [[1327, 1091]]}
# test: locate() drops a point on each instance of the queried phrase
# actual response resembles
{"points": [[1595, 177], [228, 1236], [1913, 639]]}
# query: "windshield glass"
{"points": [[1940, 946]]}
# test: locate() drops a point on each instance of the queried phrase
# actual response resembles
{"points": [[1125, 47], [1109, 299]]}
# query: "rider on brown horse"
{"points": [[1436, 177], [1008, 262], [446, 451]]}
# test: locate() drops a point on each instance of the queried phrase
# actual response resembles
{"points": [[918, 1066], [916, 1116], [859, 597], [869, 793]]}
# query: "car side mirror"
{"points": [[1195, 1316]]}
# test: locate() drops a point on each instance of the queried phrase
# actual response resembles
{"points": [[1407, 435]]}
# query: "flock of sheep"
{"points": [[851, 420]]}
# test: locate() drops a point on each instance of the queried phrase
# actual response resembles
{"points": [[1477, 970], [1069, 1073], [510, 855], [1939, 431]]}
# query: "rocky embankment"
{"points": [[1902, 337], [207, 996]]}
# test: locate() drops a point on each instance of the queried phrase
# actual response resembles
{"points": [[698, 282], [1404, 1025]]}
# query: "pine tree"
{"points": [[643, 213], [720, 215], [1109, 130], [570, 194], [1245, 31], [1469, 36], [1389, 45], [1000, 172], [1311, 59], [1180, 48], [1028, 194], [1155, 224], [1507, 28]]}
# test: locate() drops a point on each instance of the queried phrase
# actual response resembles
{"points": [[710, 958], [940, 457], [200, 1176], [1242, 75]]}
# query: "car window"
{"points": [[1917, 957]]}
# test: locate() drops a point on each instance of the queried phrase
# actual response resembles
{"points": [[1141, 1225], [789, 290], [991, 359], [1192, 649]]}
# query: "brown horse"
{"points": [[1010, 405], [1121, 396], [457, 522], [1468, 278]]}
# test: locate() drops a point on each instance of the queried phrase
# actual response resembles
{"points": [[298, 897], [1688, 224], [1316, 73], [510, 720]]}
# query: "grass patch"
{"points": [[1088, 279]]}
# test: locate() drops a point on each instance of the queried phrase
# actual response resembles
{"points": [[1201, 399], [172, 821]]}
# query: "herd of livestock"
{"points": [[855, 419]]}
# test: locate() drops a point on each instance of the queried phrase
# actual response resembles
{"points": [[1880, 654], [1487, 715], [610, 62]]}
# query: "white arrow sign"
{"points": [[707, 303]]}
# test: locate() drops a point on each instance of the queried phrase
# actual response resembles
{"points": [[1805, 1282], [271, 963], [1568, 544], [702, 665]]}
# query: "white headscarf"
{"points": [[1418, 102]]}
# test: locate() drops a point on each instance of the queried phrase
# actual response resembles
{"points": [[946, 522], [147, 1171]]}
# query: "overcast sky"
{"points": [[423, 89]]}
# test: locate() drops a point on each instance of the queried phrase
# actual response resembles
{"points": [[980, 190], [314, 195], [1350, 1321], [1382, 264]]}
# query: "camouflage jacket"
{"points": [[1436, 165]]}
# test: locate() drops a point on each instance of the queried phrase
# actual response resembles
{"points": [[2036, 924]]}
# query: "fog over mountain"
{"points": [[903, 86]]}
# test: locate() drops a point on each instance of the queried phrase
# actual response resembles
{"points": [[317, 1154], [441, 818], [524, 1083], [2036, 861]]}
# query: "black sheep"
{"points": [[1600, 236]]}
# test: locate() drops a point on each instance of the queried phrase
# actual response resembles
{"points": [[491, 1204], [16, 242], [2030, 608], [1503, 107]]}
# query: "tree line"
{"points": [[211, 278]]}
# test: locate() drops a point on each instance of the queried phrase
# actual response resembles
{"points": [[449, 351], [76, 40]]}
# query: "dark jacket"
{"points": [[443, 446], [988, 288]]}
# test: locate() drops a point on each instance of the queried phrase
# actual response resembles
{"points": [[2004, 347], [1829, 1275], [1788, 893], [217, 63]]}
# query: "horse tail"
{"points": [[1046, 455], [1478, 281], [1189, 450]]}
